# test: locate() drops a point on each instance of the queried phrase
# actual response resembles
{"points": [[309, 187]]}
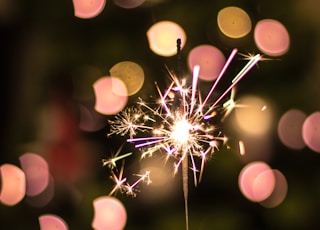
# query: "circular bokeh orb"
{"points": [[234, 22], [290, 129], [162, 37], [271, 37], [256, 181], [13, 184], [131, 74], [279, 193], [311, 131], [110, 95], [210, 60], [88, 8], [109, 213], [252, 118], [37, 174], [52, 222]]}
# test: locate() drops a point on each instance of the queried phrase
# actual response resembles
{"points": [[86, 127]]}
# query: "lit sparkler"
{"points": [[182, 125]]}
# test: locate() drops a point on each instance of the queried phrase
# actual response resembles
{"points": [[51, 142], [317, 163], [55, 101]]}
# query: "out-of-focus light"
{"points": [[44, 197], [279, 193], [88, 8], [209, 58], [90, 120], [130, 73], [252, 118], [162, 37], [13, 187], [111, 95], [290, 128], [271, 37], [36, 171], [311, 131], [109, 213], [256, 181], [234, 22], [52, 222], [128, 4]]}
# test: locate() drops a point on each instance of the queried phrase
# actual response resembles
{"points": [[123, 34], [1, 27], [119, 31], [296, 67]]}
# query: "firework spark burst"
{"points": [[183, 125]]}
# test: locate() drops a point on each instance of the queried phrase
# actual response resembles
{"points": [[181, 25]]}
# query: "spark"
{"points": [[181, 124]]}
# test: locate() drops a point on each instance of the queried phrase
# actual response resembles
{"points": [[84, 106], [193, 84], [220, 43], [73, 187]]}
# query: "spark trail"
{"points": [[181, 124]]}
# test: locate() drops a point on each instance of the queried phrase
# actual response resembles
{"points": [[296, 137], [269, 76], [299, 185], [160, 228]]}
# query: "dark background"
{"points": [[43, 45]]}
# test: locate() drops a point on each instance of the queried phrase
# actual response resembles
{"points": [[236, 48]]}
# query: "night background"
{"points": [[49, 60]]}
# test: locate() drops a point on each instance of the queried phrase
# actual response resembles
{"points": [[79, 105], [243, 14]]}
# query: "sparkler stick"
{"points": [[185, 161], [181, 125]]}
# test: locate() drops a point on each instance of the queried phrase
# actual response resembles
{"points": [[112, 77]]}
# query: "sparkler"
{"points": [[182, 125]]}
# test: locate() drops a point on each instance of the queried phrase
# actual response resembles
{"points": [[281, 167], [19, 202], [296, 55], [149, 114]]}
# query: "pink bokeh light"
{"points": [[209, 58], [52, 222], [279, 193], [111, 95], [13, 187], [88, 8], [311, 131], [290, 128], [256, 181], [109, 213], [271, 37], [37, 173]]}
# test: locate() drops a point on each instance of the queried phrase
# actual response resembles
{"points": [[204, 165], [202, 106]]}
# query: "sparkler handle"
{"points": [[185, 187]]}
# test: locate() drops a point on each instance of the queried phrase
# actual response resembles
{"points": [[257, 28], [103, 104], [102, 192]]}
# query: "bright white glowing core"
{"points": [[180, 132]]}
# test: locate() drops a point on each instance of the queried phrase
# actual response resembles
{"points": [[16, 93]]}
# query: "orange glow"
{"points": [[162, 37], [209, 58], [290, 129], [110, 95], [52, 222], [131, 74], [311, 131], [36, 170], [251, 118], [88, 8], [234, 22], [13, 188], [109, 213], [256, 181], [271, 37]]}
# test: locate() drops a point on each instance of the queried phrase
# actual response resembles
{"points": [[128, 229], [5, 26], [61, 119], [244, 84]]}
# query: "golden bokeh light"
{"points": [[131, 74], [162, 37], [234, 22], [253, 119]]}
